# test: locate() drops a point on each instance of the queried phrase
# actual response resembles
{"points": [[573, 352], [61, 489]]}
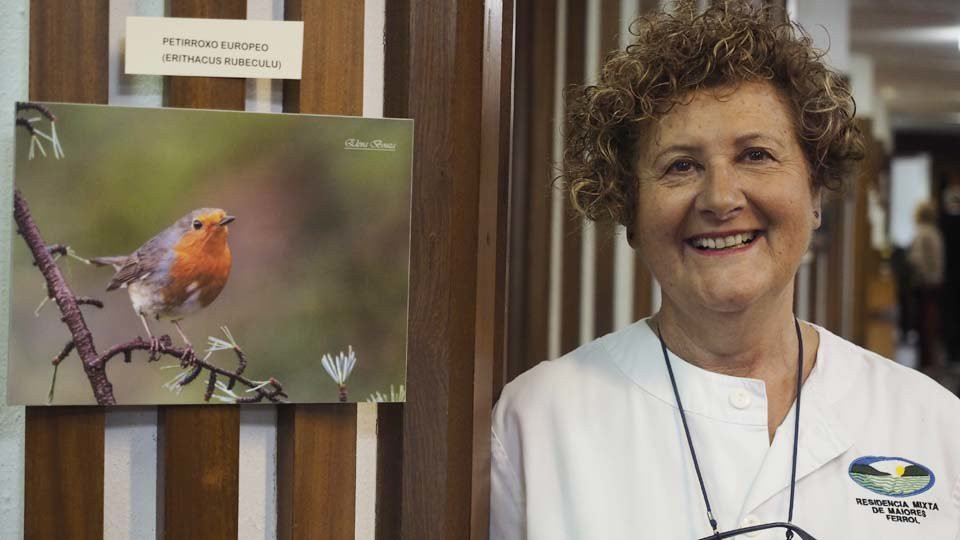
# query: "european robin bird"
{"points": [[177, 272]]}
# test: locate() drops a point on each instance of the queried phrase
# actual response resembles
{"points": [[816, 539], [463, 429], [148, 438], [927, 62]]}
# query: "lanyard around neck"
{"points": [[693, 453]]}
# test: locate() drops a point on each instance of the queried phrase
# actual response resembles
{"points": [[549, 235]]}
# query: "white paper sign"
{"points": [[214, 47]]}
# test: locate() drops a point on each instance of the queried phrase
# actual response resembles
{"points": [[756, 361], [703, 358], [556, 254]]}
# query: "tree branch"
{"points": [[65, 299], [187, 359]]}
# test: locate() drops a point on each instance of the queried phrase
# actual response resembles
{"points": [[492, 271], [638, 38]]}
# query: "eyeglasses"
{"points": [[789, 527]]}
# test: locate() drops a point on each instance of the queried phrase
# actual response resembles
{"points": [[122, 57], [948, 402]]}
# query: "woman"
{"points": [[712, 139]]}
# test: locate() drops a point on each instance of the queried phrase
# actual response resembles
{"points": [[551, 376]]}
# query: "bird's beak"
{"points": [[226, 220]]}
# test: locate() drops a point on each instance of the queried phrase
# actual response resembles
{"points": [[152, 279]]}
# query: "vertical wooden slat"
{"points": [[396, 59], [491, 291], [316, 447], [603, 278], [198, 469], [316, 471], [63, 491], [200, 444], [642, 280], [332, 80], [812, 286], [530, 192], [866, 261], [445, 101], [834, 210], [63, 462], [605, 232], [642, 289], [517, 336], [389, 496], [571, 224], [538, 179], [389, 470]]}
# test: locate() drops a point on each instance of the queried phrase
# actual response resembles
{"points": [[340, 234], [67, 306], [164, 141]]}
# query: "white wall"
{"points": [[828, 23], [909, 186], [14, 21], [131, 434]]}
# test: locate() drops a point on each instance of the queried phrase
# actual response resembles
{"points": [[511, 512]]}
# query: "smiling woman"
{"points": [[712, 139]]}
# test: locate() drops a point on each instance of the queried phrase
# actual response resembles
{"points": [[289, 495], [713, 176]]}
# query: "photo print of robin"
{"points": [[302, 299]]}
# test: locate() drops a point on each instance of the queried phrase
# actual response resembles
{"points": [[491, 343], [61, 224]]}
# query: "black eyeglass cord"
{"points": [[693, 453]]}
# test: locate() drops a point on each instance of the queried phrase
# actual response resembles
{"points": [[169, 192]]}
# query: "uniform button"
{"points": [[750, 521], [740, 399]]}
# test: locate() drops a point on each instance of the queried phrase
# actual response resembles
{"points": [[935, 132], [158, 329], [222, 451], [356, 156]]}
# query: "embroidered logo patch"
{"points": [[891, 476]]}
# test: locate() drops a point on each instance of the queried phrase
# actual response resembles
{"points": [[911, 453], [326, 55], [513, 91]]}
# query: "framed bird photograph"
{"points": [[174, 256]]}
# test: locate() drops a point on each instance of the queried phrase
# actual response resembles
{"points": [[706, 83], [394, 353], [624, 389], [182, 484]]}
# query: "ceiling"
{"points": [[914, 45]]}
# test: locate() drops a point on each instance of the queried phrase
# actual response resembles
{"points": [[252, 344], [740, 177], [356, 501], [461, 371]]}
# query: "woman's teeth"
{"points": [[726, 242]]}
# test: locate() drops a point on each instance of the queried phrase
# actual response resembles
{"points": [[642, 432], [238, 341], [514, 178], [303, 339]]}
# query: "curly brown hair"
{"points": [[678, 53]]}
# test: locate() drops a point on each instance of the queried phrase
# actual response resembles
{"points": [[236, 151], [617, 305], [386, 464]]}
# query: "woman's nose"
{"points": [[721, 196]]}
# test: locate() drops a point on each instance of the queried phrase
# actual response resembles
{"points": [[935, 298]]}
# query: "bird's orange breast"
{"points": [[201, 266]]}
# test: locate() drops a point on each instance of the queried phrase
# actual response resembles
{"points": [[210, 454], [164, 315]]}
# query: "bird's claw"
{"points": [[154, 349], [189, 356]]}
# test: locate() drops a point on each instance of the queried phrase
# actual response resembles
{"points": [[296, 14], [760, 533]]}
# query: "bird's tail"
{"points": [[116, 262]]}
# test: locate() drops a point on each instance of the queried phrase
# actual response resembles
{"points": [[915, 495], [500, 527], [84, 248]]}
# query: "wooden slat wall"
{"points": [[457, 85], [63, 450], [316, 446], [199, 446]]}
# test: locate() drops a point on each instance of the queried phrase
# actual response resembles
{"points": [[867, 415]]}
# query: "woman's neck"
{"points": [[758, 343]]}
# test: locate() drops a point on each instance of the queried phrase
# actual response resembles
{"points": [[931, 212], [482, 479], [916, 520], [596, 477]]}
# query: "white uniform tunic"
{"points": [[591, 446]]}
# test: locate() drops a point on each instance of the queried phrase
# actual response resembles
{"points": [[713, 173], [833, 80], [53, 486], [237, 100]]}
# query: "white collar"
{"points": [[636, 352]]}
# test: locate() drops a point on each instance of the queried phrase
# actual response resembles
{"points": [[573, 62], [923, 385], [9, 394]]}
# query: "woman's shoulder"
{"points": [[853, 370], [553, 378], [576, 381]]}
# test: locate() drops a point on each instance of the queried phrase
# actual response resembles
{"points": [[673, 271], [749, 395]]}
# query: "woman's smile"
{"points": [[720, 244]]}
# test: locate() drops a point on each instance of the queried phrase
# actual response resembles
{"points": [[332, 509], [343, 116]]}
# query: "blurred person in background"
{"points": [[950, 226], [926, 260]]}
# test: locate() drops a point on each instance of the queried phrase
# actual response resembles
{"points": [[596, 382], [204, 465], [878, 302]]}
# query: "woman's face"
{"points": [[725, 204]]}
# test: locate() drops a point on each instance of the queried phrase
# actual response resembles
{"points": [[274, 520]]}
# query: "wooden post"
{"points": [[64, 445], [444, 474]]}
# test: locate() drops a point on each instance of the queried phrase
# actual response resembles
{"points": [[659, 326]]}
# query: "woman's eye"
{"points": [[681, 166], [757, 155]]}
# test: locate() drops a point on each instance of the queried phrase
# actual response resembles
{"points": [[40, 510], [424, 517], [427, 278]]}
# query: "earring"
{"points": [[816, 214]]}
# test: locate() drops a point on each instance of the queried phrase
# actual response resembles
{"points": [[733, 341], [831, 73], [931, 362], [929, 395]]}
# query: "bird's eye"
{"points": [[197, 224]]}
